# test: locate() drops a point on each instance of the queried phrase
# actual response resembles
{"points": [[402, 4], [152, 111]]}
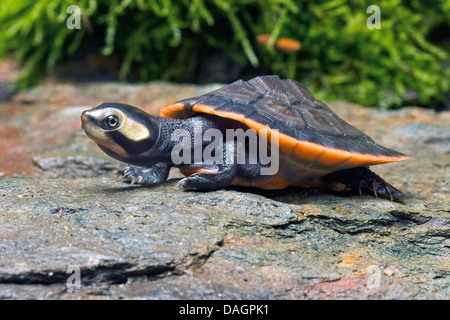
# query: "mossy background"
{"points": [[406, 62]]}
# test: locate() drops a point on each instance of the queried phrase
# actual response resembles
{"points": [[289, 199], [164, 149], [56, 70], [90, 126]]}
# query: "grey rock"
{"points": [[165, 243], [61, 208]]}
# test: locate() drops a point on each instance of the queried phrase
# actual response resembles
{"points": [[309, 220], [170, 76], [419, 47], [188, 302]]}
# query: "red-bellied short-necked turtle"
{"points": [[211, 138]]}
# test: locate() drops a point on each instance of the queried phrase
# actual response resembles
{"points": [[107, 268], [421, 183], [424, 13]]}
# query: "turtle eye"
{"points": [[110, 122]]}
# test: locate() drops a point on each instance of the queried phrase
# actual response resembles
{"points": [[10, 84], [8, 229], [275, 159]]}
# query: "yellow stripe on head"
{"points": [[124, 130], [134, 130]]}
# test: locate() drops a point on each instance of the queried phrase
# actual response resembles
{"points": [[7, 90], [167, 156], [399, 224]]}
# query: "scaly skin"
{"points": [[313, 141]]}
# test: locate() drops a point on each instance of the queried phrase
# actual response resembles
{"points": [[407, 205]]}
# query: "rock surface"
{"points": [[61, 208]]}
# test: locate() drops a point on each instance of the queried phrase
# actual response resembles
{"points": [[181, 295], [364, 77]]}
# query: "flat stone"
{"points": [[61, 208], [162, 242]]}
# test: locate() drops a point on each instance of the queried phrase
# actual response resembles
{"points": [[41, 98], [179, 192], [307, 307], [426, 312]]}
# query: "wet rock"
{"points": [[67, 211], [75, 167], [162, 242]]}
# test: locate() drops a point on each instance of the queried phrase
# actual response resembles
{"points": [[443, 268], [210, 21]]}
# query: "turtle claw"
{"points": [[182, 183], [390, 194], [374, 188], [144, 175], [379, 187], [191, 182], [188, 184], [124, 173], [137, 180], [130, 174], [363, 180]]}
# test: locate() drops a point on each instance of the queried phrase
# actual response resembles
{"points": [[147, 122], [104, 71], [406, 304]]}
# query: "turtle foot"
{"points": [[363, 180]]}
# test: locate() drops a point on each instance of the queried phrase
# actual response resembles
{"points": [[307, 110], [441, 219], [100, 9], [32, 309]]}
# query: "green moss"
{"points": [[404, 62]]}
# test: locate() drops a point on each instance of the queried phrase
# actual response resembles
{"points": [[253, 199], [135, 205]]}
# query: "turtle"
{"points": [[312, 146]]}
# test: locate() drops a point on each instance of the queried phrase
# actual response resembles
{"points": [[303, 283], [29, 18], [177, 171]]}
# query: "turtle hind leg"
{"points": [[145, 175], [361, 179]]}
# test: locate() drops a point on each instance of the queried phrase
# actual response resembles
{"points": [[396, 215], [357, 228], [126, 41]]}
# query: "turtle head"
{"points": [[122, 131]]}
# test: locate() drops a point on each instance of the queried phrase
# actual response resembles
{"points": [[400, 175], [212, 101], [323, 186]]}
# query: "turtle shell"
{"points": [[313, 140]]}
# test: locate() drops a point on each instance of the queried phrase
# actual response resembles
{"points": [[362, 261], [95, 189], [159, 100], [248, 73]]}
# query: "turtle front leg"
{"points": [[145, 175], [210, 180]]}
